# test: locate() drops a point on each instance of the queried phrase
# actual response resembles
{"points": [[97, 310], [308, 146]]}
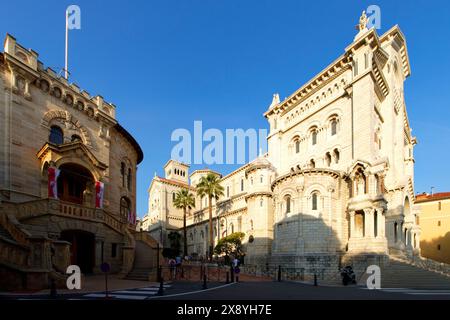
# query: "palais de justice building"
{"points": [[67, 177], [337, 182]]}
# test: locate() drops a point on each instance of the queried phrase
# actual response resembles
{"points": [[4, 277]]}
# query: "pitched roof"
{"points": [[424, 197]]}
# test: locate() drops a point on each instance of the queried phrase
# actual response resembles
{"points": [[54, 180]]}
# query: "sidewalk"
{"points": [[93, 283]]}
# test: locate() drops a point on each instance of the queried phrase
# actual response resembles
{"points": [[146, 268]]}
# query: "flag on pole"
{"points": [[99, 191], [73, 21], [53, 174]]}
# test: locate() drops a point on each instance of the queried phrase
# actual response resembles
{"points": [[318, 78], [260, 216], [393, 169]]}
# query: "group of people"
{"points": [[175, 265]]}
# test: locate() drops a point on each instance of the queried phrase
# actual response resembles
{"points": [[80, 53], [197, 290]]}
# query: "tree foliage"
{"points": [[231, 244]]}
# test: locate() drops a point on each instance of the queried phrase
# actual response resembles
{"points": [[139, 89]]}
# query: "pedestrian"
{"points": [[172, 266], [235, 262], [178, 262]]}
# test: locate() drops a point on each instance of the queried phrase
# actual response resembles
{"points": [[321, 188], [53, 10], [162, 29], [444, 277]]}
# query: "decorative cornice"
{"points": [[320, 171]]}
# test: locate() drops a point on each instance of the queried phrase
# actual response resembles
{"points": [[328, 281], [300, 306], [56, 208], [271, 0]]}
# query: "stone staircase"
{"points": [[5, 234], [401, 273], [144, 267]]}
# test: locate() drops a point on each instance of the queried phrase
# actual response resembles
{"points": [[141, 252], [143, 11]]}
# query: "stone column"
{"points": [[381, 224], [352, 224], [368, 223]]}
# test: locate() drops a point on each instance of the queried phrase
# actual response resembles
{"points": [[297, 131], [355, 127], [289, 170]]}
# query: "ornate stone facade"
{"points": [[337, 181], [50, 126]]}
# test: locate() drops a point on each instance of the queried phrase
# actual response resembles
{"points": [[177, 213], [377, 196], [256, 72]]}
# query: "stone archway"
{"points": [[82, 249], [76, 184]]}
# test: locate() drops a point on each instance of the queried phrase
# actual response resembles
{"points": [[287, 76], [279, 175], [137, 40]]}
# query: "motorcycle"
{"points": [[348, 276]]}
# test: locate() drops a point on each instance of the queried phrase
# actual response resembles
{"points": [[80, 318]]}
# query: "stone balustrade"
{"points": [[62, 208]]}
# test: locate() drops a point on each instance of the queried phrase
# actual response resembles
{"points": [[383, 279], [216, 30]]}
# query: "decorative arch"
{"points": [[65, 116]]}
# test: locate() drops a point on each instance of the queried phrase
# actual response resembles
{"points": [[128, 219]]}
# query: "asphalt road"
{"points": [[300, 291], [253, 291]]}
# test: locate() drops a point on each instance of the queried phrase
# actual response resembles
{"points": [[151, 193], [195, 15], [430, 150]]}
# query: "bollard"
{"points": [[158, 275], [161, 287], [232, 274], [279, 273], [228, 277], [315, 280], [204, 282]]}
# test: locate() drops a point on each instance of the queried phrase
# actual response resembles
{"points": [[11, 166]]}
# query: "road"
{"points": [[253, 291]]}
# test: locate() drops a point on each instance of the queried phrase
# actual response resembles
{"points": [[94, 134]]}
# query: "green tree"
{"points": [[209, 186], [174, 239], [184, 200], [231, 244]]}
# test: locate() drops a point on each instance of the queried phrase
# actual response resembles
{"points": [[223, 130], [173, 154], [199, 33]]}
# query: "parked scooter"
{"points": [[348, 276]]}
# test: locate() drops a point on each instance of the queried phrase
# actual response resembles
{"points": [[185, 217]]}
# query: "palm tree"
{"points": [[184, 200], [209, 186]]}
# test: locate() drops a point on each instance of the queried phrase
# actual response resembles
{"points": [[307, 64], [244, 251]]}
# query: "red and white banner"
{"points": [[131, 217], [53, 174], [99, 191]]}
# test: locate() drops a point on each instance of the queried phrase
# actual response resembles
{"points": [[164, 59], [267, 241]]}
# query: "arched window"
{"points": [[395, 231], [122, 173], [228, 191], [125, 208], [333, 127], [173, 196], [129, 179], [314, 201], [314, 137], [75, 138], [312, 164], [242, 184], [251, 224], [261, 179], [56, 135], [328, 159], [288, 204], [297, 146], [232, 227], [336, 155], [261, 202]]}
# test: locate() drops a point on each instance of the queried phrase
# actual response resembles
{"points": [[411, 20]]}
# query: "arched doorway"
{"points": [[82, 249], [75, 184]]}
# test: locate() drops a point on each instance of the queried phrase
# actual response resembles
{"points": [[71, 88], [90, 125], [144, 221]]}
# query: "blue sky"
{"points": [[167, 63]]}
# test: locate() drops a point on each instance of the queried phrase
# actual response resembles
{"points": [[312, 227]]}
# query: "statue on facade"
{"points": [[362, 22]]}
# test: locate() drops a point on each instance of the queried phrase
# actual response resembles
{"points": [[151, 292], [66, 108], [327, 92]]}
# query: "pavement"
{"points": [[243, 290], [92, 283]]}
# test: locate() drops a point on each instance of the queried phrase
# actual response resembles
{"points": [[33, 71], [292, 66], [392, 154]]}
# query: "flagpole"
{"points": [[66, 75]]}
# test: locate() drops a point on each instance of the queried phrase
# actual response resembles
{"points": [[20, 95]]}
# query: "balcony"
{"points": [[42, 207]]}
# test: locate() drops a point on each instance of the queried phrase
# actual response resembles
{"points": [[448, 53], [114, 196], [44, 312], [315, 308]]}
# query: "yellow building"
{"points": [[434, 220]]}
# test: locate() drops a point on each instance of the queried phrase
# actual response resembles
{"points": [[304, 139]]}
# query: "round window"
{"points": [[251, 239]]}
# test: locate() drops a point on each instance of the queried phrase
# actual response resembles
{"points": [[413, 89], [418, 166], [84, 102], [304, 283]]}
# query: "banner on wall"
{"points": [[53, 174], [99, 191], [131, 217]]}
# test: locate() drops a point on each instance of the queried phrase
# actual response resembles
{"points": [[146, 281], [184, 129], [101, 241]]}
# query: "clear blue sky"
{"points": [[167, 63]]}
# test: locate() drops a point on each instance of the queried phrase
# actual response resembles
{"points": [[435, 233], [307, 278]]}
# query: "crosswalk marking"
{"points": [[133, 292], [136, 294], [415, 291]]}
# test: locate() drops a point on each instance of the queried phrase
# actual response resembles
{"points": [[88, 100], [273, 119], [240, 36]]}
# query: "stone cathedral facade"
{"points": [[337, 182]]}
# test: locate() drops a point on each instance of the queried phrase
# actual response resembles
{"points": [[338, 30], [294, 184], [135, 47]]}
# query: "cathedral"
{"points": [[337, 183]]}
